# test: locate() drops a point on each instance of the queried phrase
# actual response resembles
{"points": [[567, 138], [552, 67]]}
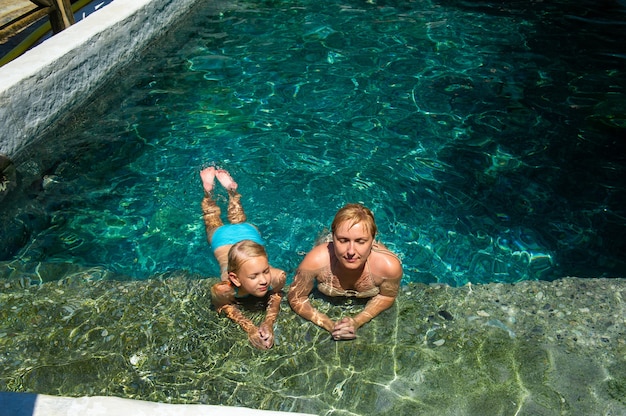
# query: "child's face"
{"points": [[253, 277]]}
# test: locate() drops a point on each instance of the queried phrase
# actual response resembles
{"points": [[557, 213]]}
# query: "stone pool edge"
{"points": [[59, 74]]}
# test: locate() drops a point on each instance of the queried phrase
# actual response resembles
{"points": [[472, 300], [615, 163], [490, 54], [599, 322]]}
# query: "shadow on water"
{"points": [[564, 177]]}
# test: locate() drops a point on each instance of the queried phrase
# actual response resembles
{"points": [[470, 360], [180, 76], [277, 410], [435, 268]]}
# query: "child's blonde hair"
{"points": [[240, 252]]}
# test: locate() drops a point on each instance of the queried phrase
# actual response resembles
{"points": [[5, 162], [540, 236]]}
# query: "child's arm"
{"points": [[266, 329], [223, 297]]}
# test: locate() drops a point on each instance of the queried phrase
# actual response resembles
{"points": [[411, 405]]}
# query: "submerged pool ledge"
{"points": [[27, 404], [530, 348], [49, 80]]}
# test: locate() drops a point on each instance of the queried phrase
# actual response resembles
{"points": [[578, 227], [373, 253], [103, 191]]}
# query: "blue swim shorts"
{"points": [[234, 233]]}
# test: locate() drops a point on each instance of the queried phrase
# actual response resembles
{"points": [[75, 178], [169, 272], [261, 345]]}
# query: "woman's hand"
{"points": [[344, 329]]}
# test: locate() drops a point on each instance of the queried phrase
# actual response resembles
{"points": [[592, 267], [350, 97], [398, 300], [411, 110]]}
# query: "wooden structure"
{"points": [[58, 11]]}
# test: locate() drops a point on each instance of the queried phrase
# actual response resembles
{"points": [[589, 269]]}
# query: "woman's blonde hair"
{"points": [[355, 214], [240, 252]]}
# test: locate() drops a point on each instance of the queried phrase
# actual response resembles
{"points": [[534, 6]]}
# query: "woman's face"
{"points": [[352, 244]]}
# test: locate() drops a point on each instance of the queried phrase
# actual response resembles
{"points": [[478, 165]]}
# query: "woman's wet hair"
{"points": [[241, 252], [355, 214]]}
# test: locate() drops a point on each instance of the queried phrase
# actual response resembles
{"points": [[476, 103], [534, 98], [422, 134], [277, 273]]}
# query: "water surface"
{"points": [[486, 138]]}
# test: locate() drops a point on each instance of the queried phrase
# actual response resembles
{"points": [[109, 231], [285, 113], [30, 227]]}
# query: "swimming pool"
{"points": [[487, 147], [456, 123]]}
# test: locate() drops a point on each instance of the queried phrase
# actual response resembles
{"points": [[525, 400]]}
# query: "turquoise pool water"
{"points": [[487, 138]]}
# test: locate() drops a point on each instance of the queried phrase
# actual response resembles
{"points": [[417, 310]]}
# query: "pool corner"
{"points": [[59, 74]]}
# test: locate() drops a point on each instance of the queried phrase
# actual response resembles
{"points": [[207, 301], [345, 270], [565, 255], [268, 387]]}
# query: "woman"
{"points": [[353, 264]]}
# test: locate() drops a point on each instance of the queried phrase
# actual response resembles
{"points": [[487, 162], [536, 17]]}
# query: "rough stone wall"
{"points": [[57, 75]]}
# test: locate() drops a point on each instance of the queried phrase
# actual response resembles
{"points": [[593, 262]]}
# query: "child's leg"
{"points": [[211, 213], [236, 214]]}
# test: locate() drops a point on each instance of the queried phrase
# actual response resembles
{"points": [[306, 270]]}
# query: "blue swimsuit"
{"points": [[234, 233]]}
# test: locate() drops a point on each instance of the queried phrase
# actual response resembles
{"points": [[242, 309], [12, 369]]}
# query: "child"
{"points": [[245, 270]]}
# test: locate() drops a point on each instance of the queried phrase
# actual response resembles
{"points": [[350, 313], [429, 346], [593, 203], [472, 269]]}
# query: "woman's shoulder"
{"points": [[385, 261], [318, 257]]}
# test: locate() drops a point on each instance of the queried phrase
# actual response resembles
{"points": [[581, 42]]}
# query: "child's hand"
{"points": [[266, 333], [260, 337]]}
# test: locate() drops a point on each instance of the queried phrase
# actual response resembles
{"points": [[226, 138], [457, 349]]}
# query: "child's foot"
{"points": [[225, 179], [208, 179]]}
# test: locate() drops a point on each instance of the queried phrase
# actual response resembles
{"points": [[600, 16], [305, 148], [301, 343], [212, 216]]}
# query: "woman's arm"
{"points": [[298, 297], [387, 265], [388, 292]]}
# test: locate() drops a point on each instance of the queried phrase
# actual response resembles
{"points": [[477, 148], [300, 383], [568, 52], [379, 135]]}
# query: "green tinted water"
{"points": [[536, 348]]}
